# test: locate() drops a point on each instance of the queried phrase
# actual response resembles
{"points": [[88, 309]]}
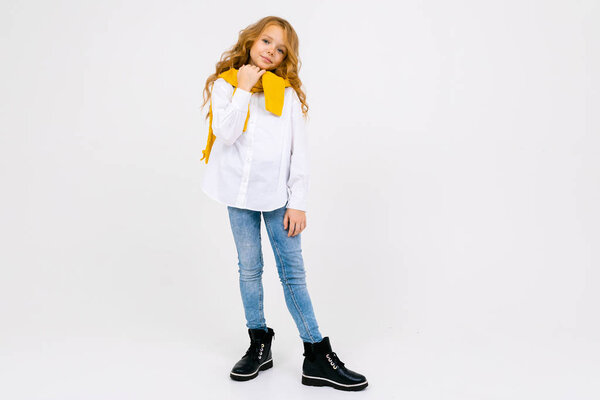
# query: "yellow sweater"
{"points": [[271, 84]]}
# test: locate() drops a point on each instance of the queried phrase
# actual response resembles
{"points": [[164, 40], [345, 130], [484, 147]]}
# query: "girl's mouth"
{"points": [[266, 59]]}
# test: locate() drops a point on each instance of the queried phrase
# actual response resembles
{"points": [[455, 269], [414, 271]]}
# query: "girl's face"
{"points": [[268, 51]]}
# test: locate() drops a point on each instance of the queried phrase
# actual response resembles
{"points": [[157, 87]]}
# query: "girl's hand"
{"points": [[296, 219], [248, 75]]}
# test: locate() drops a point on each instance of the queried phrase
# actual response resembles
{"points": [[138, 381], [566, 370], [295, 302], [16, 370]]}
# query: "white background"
{"points": [[453, 226]]}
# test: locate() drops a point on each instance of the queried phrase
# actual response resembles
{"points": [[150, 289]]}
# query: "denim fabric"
{"points": [[245, 225]]}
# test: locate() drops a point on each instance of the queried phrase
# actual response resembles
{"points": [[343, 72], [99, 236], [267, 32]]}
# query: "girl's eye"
{"points": [[266, 41]]}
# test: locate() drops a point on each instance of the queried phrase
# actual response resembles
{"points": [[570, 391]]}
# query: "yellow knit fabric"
{"points": [[271, 84]]}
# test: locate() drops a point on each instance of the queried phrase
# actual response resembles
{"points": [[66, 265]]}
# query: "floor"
{"points": [[397, 366]]}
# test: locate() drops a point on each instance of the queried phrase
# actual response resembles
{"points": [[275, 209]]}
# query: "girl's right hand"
{"points": [[248, 75]]}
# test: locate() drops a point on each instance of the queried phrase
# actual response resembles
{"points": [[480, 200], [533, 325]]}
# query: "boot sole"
{"points": [[318, 381], [245, 377]]}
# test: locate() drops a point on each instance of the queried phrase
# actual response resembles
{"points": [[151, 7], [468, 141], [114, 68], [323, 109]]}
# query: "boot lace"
{"points": [[255, 350], [334, 361]]}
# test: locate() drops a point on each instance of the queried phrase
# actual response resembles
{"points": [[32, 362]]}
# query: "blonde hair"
{"points": [[239, 55]]}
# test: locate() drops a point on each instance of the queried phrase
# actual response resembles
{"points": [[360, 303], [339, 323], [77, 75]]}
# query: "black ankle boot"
{"points": [[322, 367], [257, 357]]}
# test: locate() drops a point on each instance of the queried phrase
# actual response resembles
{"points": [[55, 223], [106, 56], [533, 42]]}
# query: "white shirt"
{"points": [[267, 165]]}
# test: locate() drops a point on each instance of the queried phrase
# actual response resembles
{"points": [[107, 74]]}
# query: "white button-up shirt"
{"points": [[267, 165]]}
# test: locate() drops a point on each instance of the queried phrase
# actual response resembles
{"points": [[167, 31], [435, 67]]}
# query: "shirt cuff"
{"points": [[241, 99], [297, 203]]}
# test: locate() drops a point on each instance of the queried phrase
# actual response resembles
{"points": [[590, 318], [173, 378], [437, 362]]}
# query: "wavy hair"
{"points": [[239, 55]]}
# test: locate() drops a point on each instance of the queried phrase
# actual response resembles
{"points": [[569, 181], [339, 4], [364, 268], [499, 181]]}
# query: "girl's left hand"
{"points": [[296, 219]]}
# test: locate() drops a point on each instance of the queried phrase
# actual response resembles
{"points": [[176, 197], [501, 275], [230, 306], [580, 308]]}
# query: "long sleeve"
{"points": [[229, 112], [298, 179]]}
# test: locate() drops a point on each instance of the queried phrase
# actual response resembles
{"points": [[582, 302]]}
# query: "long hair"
{"points": [[239, 55]]}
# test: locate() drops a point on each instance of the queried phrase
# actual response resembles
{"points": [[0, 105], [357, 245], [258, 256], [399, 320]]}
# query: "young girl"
{"points": [[257, 163]]}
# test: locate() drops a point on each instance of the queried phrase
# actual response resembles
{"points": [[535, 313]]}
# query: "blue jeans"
{"points": [[245, 225]]}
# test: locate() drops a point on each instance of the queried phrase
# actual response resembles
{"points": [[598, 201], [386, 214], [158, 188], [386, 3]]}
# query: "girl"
{"points": [[257, 147]]}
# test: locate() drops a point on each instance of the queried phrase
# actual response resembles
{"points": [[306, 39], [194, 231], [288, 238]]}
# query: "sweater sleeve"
{"points": [[298, 179], [228, 111]]}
